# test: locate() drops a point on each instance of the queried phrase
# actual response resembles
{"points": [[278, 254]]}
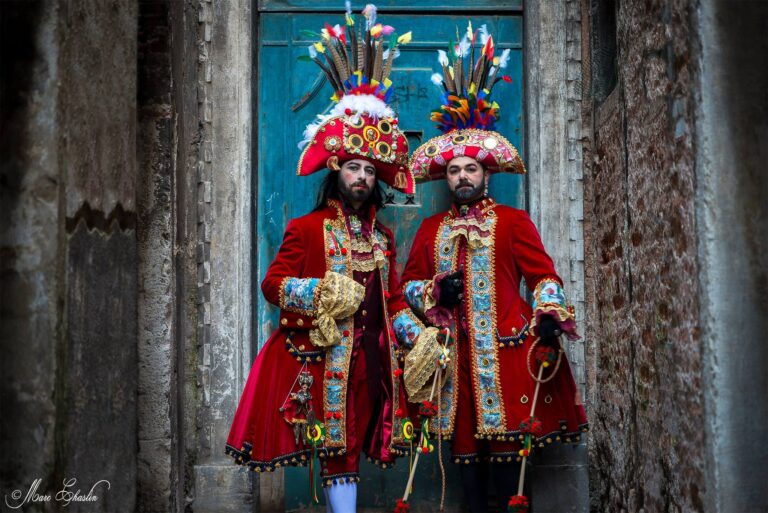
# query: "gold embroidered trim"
{"points": [[494, 342], [460, 226], [447, 261]]}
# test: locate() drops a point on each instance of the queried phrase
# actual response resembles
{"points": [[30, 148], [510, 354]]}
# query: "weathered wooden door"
{"points": [[283, 82]]}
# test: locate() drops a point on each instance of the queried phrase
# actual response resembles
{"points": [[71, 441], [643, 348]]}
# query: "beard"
{"points": [[355, 192], [466, 192]]}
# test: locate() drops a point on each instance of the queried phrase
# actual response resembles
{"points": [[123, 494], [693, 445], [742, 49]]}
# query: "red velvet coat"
{"points": [[493, 345], [260, 437]]}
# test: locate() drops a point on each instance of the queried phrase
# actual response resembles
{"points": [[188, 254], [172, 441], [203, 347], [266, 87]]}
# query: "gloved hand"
{"points": [[452, 289], [549, 331]]}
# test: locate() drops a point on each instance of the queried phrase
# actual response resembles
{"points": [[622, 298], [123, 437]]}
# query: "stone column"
{"points": [[223, 167], [553, 133]]}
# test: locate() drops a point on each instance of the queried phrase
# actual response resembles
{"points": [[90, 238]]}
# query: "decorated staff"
{"points": [[464, 272], [440, 358], [327, 382]]}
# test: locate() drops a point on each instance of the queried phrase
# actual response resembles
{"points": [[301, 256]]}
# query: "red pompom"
{"points": [[337, 415], [402, 506], [507, 79], [425, 450], [531, 425], [387, 253], [328, 415], [428, 409], [518, 504], [344, 251], [345, 333], [394, 121], [397, 373], [328, 374], [339, 375], [399, 412], [331, 252], [348, 112]]}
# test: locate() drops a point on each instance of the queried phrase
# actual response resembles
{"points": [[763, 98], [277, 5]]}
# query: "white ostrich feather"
{"points": [[442, 57], [359, 104], [504, 58]]}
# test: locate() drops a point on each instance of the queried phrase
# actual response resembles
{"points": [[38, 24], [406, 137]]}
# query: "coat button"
{"points": [[365, 312], [300, 322], [283, 321]]}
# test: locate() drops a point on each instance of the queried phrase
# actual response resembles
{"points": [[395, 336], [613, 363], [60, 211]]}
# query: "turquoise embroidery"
{"points": [[337, 357], [299, 293], [406, 329], [483, 328], [385, 265], [549, 292], [446, 254]]}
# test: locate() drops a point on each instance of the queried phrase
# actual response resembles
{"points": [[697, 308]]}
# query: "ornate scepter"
{"points": [[545, 356]]}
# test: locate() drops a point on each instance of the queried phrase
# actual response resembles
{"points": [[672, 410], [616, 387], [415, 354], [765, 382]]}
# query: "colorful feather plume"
{"points": [[466, 99], [357, 63]]}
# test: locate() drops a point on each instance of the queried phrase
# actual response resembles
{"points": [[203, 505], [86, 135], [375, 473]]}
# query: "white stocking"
{"points": [[342, 497]]}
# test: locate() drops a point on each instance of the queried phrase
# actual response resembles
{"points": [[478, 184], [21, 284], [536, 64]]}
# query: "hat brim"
{"points": [[491, 149]]}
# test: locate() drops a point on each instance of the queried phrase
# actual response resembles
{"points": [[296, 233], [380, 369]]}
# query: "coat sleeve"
{"points": [[418, 273], [536, 266], [405, 325], [283, 285]]}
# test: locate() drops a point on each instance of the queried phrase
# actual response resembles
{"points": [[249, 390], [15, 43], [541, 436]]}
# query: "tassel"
{"points": [[333, 163], [400, 180]]}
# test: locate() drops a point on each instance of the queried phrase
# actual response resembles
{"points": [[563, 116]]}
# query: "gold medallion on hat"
{"points": [[490, 143]]}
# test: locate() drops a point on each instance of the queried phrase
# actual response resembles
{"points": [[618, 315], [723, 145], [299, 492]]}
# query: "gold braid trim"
{"points": [[429, 300], [420, 364], [339, 298], [461, 226]]}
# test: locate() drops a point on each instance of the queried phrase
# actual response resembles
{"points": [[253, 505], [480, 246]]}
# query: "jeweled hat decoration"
{"points": [[467, 116], [361, 124]]}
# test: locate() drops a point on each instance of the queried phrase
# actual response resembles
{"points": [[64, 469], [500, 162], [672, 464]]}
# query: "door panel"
{"points": [[282, 83]]}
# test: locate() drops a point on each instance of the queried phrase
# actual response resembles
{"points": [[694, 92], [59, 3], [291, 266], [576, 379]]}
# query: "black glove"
{"points": [[549, 331], [452, 289]]}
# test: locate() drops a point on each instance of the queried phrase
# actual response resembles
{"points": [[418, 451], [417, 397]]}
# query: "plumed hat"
{"points": [[467, 116], [361, 124]]}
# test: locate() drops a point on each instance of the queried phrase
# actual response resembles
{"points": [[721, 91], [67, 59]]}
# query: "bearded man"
{"points": [[326, 382], [464, 272]]}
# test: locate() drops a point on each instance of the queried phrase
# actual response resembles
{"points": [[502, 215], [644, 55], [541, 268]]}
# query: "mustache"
{"points": [[360, 184]]}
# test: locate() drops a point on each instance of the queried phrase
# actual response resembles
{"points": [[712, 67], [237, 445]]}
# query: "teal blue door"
{"points": [[290, 93]]}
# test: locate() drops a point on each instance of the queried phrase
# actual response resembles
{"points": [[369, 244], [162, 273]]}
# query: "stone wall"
{"points": [[157, 422], [732, 219], [68, 245], [648, 445], [29, 243]]}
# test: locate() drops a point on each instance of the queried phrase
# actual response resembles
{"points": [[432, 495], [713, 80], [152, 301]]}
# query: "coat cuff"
{"points": [[549, 299], [299, 295], [416, 294], [407, 328]]}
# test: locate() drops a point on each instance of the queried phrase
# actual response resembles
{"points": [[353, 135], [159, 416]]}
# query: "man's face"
{"points": [[357, 178], [466, 179]]}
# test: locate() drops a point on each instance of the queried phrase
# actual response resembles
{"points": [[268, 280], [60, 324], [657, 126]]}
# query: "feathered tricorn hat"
{"points": [[467, 116], [361, 125]]}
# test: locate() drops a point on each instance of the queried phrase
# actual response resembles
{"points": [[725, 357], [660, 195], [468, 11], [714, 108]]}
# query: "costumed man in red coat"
{"points": [[464, 272], [326, 382]]}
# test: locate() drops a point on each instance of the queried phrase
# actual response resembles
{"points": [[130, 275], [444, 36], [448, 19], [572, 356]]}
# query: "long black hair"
{"points": [[329, 189]]}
